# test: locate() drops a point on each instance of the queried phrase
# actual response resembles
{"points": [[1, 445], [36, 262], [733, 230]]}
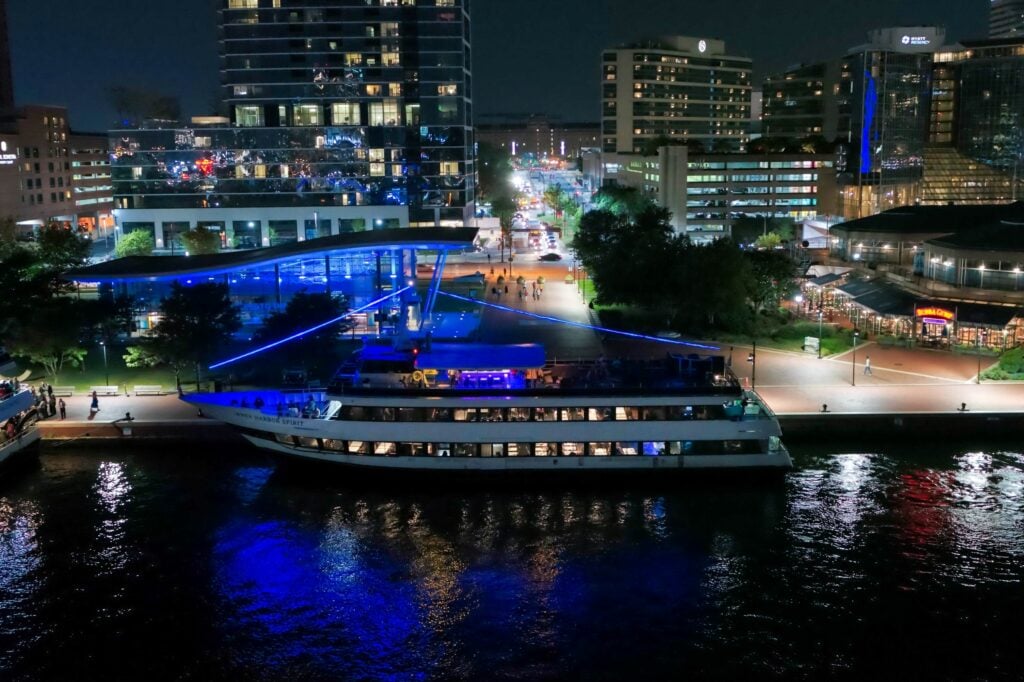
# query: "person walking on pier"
{"points": [[94, 406], [867, 365], [63, 408]]}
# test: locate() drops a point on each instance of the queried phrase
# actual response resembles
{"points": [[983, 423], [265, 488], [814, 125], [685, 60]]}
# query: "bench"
{"points": [[148, 390], [105, 390], [63, 391]]}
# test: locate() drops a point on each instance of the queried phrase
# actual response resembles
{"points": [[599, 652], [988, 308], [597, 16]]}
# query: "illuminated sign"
{"points": [[702, 46], [6, 158], [940, 313], [916, 40]]}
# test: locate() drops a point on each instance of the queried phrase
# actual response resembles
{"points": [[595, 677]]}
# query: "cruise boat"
{"points": [[16, 409], [481, 409]]}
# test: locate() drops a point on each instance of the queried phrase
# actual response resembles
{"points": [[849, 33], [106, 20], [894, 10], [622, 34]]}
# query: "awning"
{"points": [[481, 357], [824, 280], [981, 314]]}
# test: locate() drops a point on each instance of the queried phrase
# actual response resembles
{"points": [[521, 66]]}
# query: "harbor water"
{"points": [[200, 565]]}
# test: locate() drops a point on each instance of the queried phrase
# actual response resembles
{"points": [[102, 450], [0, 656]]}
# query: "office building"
{"points": [[91, 186], [707, 193], [1006, 19], [340, 117], [676, 87]]}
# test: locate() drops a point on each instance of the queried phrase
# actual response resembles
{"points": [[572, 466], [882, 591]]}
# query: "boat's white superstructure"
{"points": [[504, 420]]}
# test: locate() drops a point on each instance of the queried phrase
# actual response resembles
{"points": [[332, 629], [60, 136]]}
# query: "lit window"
{"points": [[376, 169], [308, 115], [353, 58], [373, 90], [345, 114], [449, 168], [249, 116], [395, 89], [245, 4], [390, 58], [448, 89]]}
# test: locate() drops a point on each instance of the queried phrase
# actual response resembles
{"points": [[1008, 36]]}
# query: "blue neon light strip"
{"points": [[870, 108], [298, 335], [581, 325]]}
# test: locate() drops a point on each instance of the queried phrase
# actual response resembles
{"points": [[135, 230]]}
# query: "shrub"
{"points": [[137, 243]]}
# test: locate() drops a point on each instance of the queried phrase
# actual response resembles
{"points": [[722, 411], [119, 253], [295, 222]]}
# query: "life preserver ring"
{"points": [[417, 376]]}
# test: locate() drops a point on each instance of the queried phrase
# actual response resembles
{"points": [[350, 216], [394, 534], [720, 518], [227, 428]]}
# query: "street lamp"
{"points": [[106, 370], [853, 363], [752, 359], [821, 315]]}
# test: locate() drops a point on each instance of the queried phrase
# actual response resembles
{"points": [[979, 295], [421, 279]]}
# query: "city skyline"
{"points": [[186, 68]]}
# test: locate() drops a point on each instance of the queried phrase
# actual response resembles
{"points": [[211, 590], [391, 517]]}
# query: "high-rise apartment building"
{"points": [[676, 87], [340, 116], [1006, 19]]}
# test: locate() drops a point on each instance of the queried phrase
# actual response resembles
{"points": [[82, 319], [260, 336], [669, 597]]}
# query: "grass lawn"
{"points": [[791, 337], [93, 373]]}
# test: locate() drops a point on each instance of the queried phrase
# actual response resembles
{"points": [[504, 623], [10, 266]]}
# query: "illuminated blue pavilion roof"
{"points": [[153, 268]]}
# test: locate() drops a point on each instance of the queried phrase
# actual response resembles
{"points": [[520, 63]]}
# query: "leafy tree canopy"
{"points": [[136, 243], [494, 166], [196, 321], [200, 240]]}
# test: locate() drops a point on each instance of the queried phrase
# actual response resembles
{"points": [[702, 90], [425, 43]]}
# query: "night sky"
{"points": [[530, 55]]}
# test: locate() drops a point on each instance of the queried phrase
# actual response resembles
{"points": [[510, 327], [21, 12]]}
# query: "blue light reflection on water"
{"points": [[858, 564]]}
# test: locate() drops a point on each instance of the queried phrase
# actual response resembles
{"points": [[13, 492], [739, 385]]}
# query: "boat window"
{"points": [[654, 447], [684, 412], [331, 444], [384, 449], [520, 449], [545, 414], [626, 448], [519, 414], [492, 450], [309, 442], [653, 414], [465, 415], [600, 449], [465, 450], [442, 414], [414, 449], [410, 414], [491, 414], [358, 447], [284, 438], [572, 449], [546, 449], [626, 413], [675, 447], [444, 449], [382, 414], [354, 413], [573, 414], [600, 414]]}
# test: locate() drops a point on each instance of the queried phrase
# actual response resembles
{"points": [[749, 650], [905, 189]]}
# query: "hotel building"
{"points": [[677, 87]]}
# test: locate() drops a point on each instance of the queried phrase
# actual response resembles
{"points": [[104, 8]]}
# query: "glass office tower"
{"points": [[341, 115]]}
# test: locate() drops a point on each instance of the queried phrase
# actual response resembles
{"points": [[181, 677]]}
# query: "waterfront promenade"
{"points": [[901, 381]]}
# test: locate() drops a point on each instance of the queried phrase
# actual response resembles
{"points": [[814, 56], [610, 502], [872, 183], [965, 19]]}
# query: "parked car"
{"points": [[550, 257]]}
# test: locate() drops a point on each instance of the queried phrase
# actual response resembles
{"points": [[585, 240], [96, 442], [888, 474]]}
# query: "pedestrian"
{"points": [[63, 408], [489, 260], [94, 406], [506, 290], [867, 365], [49, 391], [53, 406]]}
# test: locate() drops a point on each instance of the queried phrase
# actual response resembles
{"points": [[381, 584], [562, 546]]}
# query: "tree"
{"points": [[61, 249], [771, 278], [769, 240], [625, 201], [504, 208], [305, 311], [494, 168], [747, 229], [196, 321], [553, 197], [52, 338], [200, 240], [137, 243]]}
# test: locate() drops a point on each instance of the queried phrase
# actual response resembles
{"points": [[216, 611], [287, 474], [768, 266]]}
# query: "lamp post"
{"points": [[752, 359], [853, 363], [106, 370], [821, 315], [977, 338]]}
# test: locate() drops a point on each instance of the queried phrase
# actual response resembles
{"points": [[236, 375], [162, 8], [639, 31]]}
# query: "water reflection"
{"points": [[853, 561]]}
